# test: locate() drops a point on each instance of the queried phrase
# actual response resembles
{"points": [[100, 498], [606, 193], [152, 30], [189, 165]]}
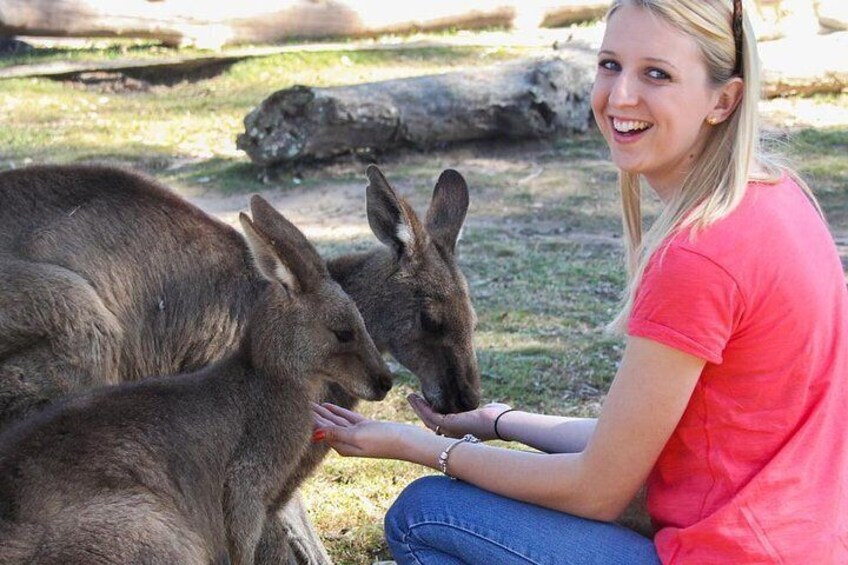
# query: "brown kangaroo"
{"points": [[106, 276], [187, 469]]}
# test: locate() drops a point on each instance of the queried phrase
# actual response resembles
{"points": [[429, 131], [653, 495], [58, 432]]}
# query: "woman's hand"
{"points": [[480, 422], [352, 434]]}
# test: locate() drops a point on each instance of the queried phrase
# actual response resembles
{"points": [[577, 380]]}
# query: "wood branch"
{"points": [[520, 99], [805, 65]]}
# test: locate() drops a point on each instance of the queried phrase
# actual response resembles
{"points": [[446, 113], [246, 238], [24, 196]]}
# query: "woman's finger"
{"points": [[321, 422], [324, 411], [430, 418], [348, 415], [340, 439]]}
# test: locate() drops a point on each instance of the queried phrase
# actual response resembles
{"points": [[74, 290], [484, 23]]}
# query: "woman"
{"points": [[730, 402]]}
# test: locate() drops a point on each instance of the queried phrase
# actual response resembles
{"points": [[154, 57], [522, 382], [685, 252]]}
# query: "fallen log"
{"points": [[521, 99], [801, 66], [832, 14], [257, 21], [568, 12]]}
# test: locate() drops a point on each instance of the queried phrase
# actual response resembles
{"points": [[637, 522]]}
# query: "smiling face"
{"points": [[652, 97]]}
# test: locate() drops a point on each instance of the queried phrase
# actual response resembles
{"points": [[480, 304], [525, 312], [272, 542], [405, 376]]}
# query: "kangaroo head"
{"points": [[304, 323], [424, 315]]}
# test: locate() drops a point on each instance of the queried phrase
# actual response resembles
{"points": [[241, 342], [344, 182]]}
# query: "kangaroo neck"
{"points": [[271, 405], [362, 276]]}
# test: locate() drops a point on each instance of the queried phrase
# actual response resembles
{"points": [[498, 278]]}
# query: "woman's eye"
{"points": [[344, 336], [609, 65], [658, 74]]}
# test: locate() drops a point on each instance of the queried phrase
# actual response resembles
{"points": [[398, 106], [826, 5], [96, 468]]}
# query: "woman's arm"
{"points": [[551, 434], [644, 404]]}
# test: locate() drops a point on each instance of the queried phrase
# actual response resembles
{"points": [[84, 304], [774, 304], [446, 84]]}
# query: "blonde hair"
{"points": [[719, 177]]}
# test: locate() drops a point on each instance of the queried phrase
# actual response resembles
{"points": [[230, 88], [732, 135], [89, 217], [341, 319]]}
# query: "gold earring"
{"points": [[712, 120]]}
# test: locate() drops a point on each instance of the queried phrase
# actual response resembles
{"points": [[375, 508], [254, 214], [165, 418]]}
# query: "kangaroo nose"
{"points": [[468, 400], [382, 385], [386, 383]]}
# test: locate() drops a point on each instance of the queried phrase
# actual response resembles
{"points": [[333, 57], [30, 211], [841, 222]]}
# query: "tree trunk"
{"points": [[520, 99], [257, 21]]}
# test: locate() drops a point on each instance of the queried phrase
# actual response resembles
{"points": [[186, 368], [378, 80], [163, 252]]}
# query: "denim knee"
{"points": [[415, 496]]}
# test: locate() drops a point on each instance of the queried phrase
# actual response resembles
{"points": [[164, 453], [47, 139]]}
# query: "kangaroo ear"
{"points": [[447, 210], [288, 244], [302, 258], [390, 217], [268, 262]]}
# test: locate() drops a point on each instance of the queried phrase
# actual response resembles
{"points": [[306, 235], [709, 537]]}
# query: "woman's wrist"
{"points": [[410, 443], [423, 447], [499, 425]]}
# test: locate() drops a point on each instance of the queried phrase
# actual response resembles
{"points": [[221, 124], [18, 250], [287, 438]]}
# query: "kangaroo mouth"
{"points": [[452, 397], [373, 388]]}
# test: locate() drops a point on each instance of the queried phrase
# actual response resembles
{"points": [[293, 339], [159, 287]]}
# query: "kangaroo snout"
{"points": [[381, 385], [454, 390], [461, 401], [468, 399]]}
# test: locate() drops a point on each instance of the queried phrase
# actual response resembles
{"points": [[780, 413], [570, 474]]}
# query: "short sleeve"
{"points": [[688, 302]]}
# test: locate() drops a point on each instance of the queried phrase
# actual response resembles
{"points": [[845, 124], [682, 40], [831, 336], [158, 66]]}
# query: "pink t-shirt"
{"points": [[757, 469]]}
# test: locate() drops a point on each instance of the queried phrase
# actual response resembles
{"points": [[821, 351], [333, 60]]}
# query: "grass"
{"points": [[822, 157], [541, 249], [98, 50]]}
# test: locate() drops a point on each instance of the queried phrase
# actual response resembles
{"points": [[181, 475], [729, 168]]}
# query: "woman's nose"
{"points": [[624, 91]]}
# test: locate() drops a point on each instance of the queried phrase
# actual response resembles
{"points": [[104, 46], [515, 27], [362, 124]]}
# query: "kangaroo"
{"points": [[186, 469], [107, 277]]}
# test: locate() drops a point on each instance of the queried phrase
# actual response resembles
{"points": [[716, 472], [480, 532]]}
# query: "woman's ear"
{"points": [[729, 97]]}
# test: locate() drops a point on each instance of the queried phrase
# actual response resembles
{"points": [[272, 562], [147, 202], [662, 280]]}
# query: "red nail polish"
{"points": [[319, 435]]}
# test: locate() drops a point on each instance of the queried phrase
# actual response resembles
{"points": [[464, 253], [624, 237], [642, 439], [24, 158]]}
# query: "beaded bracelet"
{"points": [[443, 456]]}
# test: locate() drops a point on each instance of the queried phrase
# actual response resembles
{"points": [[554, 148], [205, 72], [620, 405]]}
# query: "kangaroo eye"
{"points": [[430, 324], [344, 336]]}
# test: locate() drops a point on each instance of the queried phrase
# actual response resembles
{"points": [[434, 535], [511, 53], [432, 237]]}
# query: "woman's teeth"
{"points": [[627, 126]]}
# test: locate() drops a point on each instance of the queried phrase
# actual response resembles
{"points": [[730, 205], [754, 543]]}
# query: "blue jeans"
{"points": [[436, 520]]}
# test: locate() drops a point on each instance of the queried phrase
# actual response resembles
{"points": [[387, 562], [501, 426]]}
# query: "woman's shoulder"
{"points": [[774, 225], [771, 209]]}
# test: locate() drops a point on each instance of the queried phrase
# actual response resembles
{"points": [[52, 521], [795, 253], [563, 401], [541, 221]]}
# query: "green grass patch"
{"points": [[92, 51], [821, 156]]}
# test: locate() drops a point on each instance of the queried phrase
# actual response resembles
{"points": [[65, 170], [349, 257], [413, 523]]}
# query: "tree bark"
{"points": [[521, 99]]}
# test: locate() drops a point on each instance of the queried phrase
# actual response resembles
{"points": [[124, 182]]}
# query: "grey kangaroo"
{"points": [[187, 469], [106, 276]]}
